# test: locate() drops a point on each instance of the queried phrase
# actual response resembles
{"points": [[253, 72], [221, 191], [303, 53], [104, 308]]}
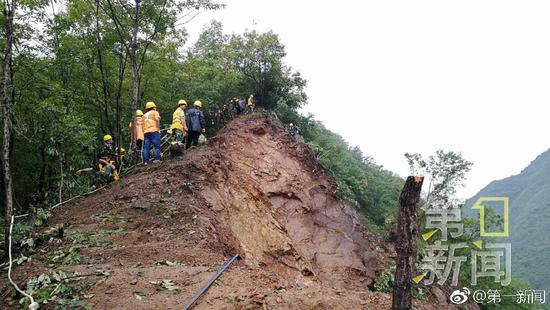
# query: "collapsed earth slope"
{"points": [[253, 191]]}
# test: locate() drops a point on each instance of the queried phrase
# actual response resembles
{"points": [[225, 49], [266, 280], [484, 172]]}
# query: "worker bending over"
{"points": [[105, 171]]}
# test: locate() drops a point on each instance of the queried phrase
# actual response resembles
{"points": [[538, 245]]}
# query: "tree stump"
{"points": [[60, 230], [407, 232]]}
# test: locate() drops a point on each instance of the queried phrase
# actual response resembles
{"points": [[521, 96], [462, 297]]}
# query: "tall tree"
{"points": [[222, 66], [446, 170], [259, 57], [140, 22], [8, 97]]}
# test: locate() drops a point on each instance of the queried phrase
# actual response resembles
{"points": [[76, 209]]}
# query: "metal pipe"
{"points": [[205, 287]]}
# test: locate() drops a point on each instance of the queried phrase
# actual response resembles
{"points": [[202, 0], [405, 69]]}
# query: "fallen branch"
{"points": [[34, 304]]}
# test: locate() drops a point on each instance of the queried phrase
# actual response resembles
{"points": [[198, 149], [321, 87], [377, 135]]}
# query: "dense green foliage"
{"points": [[74, 84], [446, 170], [70, 85], [528, 204], [471, 226]]}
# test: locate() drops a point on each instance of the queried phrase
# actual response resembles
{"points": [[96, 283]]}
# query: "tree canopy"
{"points": [[75, 80]]}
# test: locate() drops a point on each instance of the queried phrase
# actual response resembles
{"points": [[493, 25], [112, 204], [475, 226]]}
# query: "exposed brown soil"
{"points": [[254, 191]]}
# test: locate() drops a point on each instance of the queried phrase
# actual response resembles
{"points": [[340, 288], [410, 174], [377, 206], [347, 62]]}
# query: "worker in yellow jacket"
{"points": [[250, 104], [138, 134], [105, 170], [178, 128], [151, 129]]}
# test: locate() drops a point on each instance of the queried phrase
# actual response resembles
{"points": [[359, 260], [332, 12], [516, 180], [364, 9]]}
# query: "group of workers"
{"points": [[240, 106], [292, 130], [188, 124]]}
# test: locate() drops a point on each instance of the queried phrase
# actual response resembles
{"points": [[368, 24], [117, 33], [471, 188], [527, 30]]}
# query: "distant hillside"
{"points": [[529, 194]]}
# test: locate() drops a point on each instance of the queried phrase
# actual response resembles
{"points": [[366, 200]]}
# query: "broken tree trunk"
{"points": [[133, 51], [406, 243]]}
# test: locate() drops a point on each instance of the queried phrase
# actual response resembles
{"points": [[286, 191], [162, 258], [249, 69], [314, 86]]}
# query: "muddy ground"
{"points": [[253, 191]]}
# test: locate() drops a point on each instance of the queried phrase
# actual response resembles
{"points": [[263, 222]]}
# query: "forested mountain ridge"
{"points": [[529, 206]]}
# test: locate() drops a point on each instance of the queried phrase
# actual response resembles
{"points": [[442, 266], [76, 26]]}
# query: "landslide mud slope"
{"points": [[254, 191]]}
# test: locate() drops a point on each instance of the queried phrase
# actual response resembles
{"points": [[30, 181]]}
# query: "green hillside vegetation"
{"points": [[471, 226], [373, 190], [73, 85], [446, 170], [529, 198]]}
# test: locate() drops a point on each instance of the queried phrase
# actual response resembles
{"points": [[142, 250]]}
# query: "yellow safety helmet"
{"points": [[107, 138], [198, 104], [251, 96], [291, 125], [182, 102], [150, 105], [139, 113]]}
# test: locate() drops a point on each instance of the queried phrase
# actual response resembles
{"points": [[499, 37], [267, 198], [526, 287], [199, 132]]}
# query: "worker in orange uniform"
{"points": [[151, 129], [138, 134]]}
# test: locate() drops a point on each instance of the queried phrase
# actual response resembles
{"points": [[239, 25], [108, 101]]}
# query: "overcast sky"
{"points": [[415, 76]]}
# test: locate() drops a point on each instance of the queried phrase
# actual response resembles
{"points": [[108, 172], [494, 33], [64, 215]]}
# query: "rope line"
{"points": [[34, 304]]}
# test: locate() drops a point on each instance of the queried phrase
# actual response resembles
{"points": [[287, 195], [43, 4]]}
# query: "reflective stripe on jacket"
{"points": [[177, 117], [114, 173]]}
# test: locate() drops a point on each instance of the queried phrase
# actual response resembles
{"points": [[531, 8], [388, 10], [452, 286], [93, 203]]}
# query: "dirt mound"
{"points": [[278, 207], [254, 191]]}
